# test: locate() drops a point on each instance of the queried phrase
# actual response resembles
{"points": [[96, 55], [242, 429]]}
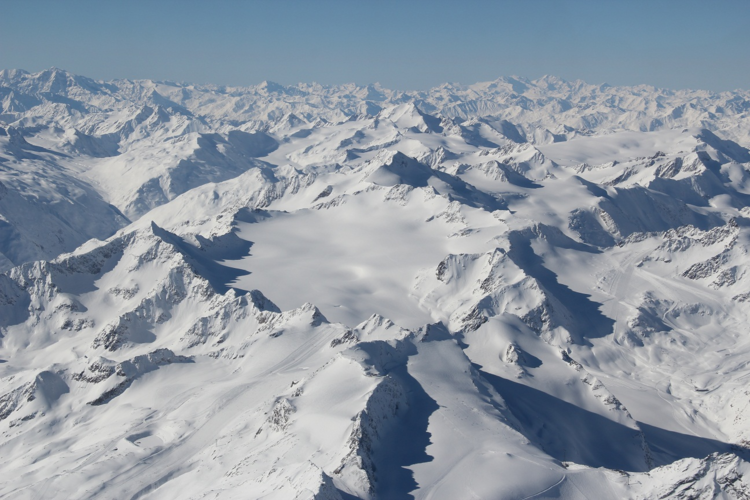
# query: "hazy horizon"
{"points": [[364, 84], [409, 47]]}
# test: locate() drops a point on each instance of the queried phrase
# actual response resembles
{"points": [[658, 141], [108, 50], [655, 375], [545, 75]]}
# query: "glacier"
{"points": [[514, 289]]}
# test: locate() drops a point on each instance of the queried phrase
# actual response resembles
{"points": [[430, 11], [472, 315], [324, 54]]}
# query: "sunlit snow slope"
{"points": [[509, 290]]}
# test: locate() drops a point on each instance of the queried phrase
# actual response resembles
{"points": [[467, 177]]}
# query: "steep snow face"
{"points": [[45, 210], [335, 293]]}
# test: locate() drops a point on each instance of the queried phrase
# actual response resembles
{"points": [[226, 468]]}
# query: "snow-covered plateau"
{"points": [[509, 290]]}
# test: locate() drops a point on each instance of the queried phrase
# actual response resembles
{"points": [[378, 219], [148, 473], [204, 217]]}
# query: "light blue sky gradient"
{"points": [[408, 44]]}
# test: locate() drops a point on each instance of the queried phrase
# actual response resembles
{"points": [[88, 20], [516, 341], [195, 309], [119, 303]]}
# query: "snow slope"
{"points": [[139, 144], [348, 292]]}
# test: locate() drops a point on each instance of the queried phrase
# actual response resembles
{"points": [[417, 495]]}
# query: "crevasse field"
{"points": [[510, 290]]}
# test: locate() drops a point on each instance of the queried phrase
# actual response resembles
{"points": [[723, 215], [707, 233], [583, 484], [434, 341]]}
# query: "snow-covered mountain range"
{"points": [[514, 289]]}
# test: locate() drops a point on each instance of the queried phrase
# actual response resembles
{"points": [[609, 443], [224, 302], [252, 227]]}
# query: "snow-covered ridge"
{"points": [[352, 292], [137, 144], [570, 106]]}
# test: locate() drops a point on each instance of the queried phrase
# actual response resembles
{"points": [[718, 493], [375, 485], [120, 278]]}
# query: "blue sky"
{"points": [[406, 45]]}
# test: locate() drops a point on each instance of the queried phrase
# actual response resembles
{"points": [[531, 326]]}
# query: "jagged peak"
{"points": [[11, 74], [309, 309], [261, 302], [514, 84], [408, 116], [56, 81], [269, 86], [728, 148], [172, 287], [549, 81], [374, 322], [154, 98], [394, 167]]}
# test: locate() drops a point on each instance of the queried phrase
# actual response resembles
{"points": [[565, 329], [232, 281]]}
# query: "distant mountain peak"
{"points": [[347, 291]]}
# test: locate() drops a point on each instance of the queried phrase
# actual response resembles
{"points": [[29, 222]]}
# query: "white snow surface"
{"points": [[516, 289]]}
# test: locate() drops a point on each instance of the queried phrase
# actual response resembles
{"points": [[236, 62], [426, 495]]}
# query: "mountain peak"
{"points": [[271, 87], [398, 168], [565, 266], [550, 82]]}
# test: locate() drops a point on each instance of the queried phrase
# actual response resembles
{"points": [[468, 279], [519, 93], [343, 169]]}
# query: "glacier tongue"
{"points": [[517, 289]]}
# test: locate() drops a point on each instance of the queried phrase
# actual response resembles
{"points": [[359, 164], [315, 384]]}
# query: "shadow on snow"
{"points": [[570, 433]]}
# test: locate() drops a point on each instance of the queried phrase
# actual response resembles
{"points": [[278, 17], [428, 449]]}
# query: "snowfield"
{"points": [[515, 289]]}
